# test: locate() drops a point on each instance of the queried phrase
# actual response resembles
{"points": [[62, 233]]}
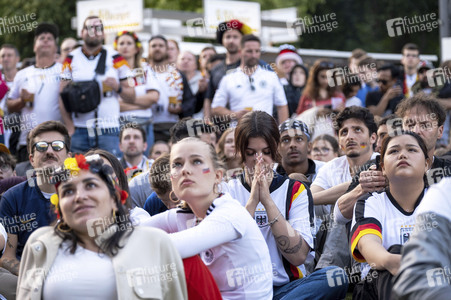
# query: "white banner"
{"points": [[217, 11], [116, 15]]}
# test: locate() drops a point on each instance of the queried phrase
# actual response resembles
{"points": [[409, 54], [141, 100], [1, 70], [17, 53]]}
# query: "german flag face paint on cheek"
{"points": [[206, 170], [363, 145]]}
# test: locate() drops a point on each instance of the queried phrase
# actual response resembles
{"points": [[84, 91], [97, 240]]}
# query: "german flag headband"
{"points": [[93, 163], [130, 33]]}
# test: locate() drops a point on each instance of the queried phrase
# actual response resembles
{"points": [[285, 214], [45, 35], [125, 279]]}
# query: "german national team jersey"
{"points": [[44, 84], [381, 215], [291, 197], [79, 67]]}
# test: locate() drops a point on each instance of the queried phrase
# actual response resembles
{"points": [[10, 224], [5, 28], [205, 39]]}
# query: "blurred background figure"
{"points": [[293, 89], [158, 149], [286, 60], [173, 52], [227, 152], [66, 47], [317, 92], [350, 89], [325, 148]]}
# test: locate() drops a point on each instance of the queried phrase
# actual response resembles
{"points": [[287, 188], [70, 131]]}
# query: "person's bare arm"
{"points": [[370, 246], [67, 118], [16, 105], [329, 196], [9, 260], [370, 181], [282, 113], [146, 100]]}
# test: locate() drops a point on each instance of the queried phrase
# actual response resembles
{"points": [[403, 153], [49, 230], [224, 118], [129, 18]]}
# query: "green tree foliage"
{"points": [[58, 12]]}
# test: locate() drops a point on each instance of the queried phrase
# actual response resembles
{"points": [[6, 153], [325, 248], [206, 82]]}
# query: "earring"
{"points": [[171, 194], [114, 216], [63, 227]]}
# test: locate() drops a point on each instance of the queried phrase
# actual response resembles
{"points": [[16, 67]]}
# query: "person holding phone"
{"points": [[384, 102]]}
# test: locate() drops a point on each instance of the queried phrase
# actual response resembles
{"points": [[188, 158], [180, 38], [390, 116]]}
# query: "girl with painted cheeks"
{"points": [[213, 224]]}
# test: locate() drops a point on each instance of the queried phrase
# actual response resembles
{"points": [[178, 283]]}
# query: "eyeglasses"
{"points": [[5, 167], [384, 82], [323, 150], [43, 146], [94, 28]]}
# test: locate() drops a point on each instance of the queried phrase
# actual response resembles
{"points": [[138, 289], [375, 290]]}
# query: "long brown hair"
{"points": [[311, 89]]}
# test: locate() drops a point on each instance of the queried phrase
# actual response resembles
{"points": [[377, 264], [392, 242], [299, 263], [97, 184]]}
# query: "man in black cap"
{"points": [[35, 89]]}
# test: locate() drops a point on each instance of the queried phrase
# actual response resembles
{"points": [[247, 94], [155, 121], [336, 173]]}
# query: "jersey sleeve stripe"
{"points": [[360, 231], [119, 61], [67, 62]]}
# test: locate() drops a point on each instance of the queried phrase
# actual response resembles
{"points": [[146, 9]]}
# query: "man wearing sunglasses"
{"points": [[26, 206], [384, 102]]}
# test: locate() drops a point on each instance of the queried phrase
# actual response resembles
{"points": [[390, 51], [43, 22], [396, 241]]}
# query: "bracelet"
{"points": [[119, 90], [275, 219]]}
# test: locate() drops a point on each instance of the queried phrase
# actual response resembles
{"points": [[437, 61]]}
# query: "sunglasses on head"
{"points": [[43, 146]]}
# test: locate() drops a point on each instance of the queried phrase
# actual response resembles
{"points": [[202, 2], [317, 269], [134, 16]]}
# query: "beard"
{"points": [[93, 43]]}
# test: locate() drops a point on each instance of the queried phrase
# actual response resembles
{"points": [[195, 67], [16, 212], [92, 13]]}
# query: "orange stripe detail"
{"points": [[355, 241]]}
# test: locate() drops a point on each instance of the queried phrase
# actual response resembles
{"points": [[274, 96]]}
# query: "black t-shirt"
{"points": [[373, 98]]}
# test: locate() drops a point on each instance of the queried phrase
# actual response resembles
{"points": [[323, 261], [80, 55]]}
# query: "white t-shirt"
{"points": [[335, 172], [44, 84], [5, 236], [82, 275], [301, 218], [261, 91], [79, 67], [170, 81], [353, 101], [143, 81], [6, 132], [382, 216], [229, 243], [437, 199]]}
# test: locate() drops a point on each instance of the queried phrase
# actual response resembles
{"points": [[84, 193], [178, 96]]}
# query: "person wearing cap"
{"points": [[98, 128], [294, 148], [176, 99], [26, 206], [229, 35], [250, 87], [422, 85], [35, 90], [286, 60]]}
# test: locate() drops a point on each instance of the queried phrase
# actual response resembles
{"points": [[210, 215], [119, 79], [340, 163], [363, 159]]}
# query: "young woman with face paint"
{"points": [[215, 225]]}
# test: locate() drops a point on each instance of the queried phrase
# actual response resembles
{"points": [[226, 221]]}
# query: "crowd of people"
{"points": [[217, 176]]}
